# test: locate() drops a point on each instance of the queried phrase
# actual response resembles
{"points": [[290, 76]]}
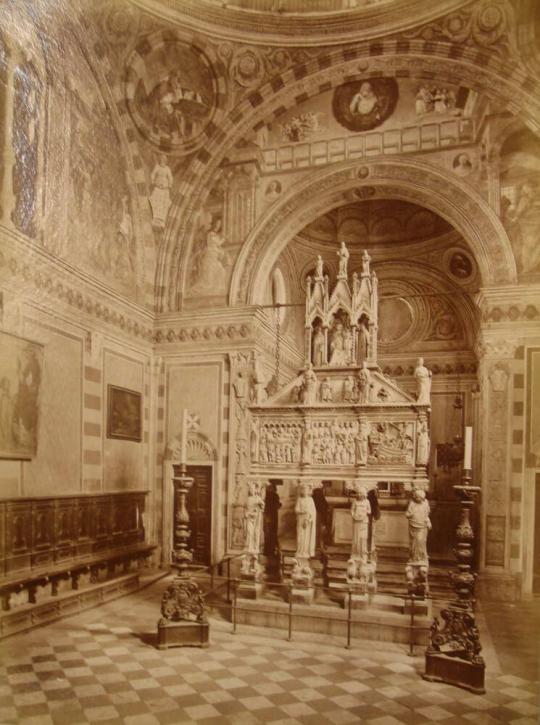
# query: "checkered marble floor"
{"points": [[102, 666]]}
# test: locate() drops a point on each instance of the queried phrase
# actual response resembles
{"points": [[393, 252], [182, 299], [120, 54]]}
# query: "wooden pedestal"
{"points": [[455, 671], [182, 634]]}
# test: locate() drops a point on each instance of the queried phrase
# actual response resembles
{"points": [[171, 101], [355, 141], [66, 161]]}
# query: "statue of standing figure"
{"points": [[423, 382], [422, 443], [419, 525], [343, 254], [362, 443], [253, 518], [306, 523], [360, 512], [318, 345], [363, 382], [309, 389]]}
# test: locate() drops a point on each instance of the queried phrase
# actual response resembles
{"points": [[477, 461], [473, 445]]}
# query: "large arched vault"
{"points": [[410, 180]]}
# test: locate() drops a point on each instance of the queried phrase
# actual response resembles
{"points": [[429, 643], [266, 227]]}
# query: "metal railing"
{"points": [[232, 606]]}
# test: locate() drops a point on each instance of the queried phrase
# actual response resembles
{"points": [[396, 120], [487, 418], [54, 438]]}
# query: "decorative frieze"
{"points": [[48, 282]]}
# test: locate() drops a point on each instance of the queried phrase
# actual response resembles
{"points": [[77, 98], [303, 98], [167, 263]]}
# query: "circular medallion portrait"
{"points": [[365, 104], [170, 92], [461, 266]]}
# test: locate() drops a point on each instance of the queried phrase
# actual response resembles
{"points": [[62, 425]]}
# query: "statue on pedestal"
{"points": [[360, 512], [306, 523], [419, 524], [363, 383], [309, 387], [422, 442], [343, 254], [253, 518], [423, 382], [319, 269]]}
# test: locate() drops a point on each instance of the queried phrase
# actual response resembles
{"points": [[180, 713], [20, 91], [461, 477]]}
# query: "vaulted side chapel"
{"points": [[270, 318]]}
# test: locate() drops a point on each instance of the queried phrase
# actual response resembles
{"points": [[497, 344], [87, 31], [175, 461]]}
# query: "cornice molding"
{"points": [[37, 274], [510, 304], [298, 29]]}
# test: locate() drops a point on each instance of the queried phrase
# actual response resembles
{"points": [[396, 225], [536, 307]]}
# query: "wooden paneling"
{"points": [[41, 534]]}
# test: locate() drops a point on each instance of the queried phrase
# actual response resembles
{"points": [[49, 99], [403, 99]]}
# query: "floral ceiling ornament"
{"points": [[119, 24], [247, 68], [486, 24]]}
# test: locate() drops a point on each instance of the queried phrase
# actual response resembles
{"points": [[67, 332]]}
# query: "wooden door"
{"points": [[199, 505]]}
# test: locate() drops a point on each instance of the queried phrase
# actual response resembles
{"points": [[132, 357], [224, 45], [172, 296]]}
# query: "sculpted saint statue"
{"points": [[360, 512], [326, 391], [340, 346], [423, 382], [362, 443], [319, 270], [253, 519], [419, 525], [212, 263], [343, 254], [422, 443], [363, 381], [348, 389], [318, 347], [306, 524], [363, 343], [309, 395], [161, 179]]}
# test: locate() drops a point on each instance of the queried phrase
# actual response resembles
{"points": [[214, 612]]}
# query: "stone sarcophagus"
{"points": [[341, 417]]}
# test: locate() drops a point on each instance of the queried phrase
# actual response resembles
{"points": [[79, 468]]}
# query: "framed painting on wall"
{"points": [[21, 370], [124, 414]]}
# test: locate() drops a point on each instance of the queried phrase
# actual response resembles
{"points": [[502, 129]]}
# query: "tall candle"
{"points": [[183, 439], [467, 457]]}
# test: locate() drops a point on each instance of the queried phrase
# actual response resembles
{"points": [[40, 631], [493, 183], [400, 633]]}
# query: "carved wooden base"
{"points": [[184, 621], [182, 634], [455, 671]]}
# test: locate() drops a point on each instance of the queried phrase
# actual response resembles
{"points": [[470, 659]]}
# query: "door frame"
{"points": [[200, 452]]}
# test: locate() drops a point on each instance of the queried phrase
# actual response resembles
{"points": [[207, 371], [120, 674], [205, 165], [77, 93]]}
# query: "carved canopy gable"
{"points": [[341, 417]]}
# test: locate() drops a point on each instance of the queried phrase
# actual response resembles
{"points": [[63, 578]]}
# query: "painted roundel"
{"points": [[171, 92]]}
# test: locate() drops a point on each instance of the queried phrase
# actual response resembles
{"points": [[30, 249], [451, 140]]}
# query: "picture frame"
{"points": [[21, 372], [124, 414]]}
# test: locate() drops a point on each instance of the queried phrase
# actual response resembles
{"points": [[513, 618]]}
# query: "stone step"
{"points": [[51, 608]]}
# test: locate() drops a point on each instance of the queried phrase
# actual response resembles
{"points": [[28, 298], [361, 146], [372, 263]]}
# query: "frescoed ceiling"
{"points": [[378, 222]]}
